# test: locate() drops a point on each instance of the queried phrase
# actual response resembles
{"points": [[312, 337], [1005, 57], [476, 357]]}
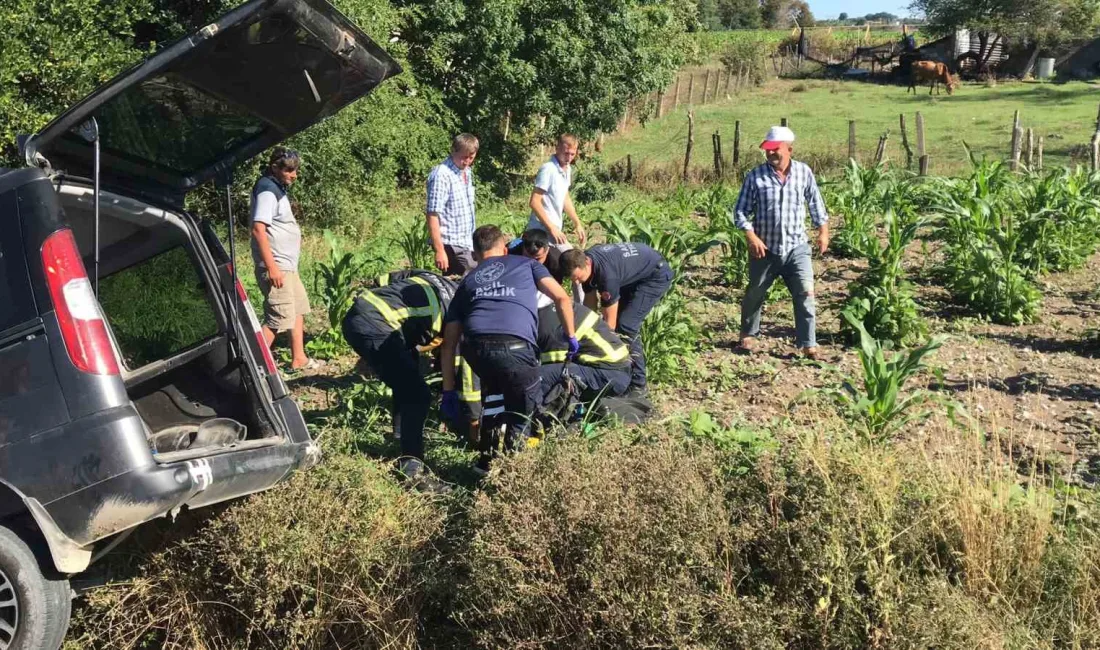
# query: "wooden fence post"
{"points": [[1014, 165], [1029, 148], [676, 94], [729, 78], [1039, 154], [629, 168], [851, 139], [690, 143], [716, 142], [905, 143], [782, 121], [922, 156], [691, 88], [706, 86], [880, 152], [1094, 151], [736, 143]]}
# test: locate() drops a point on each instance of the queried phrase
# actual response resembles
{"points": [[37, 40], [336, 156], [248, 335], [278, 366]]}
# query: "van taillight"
{"points": [[78, 312]]}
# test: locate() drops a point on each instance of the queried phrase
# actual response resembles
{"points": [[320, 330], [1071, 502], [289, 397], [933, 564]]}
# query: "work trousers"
{"points": [[507, 366], [635, 303], [797, 270], [593, 381], [398, 366]]}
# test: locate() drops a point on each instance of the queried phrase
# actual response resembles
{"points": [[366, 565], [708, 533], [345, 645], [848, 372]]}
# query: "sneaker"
{"points": [[637, 392], [417, 476], [481, 467]]}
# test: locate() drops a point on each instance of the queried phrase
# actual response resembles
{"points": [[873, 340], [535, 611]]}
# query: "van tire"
{"points": [[43, 603]]}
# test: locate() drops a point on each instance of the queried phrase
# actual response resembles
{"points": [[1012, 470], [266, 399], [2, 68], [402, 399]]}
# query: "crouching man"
{"points": [[629, 279], [388, 327], [601, 367], [495, 315]]}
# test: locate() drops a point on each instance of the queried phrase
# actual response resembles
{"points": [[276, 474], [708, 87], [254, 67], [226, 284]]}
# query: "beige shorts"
{"points": [[283, 305]]}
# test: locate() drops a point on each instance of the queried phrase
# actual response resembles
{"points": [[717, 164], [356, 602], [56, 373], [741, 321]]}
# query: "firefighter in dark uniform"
{"points": [[629, 279], [495, 314], [601, 367], [389, 327]]}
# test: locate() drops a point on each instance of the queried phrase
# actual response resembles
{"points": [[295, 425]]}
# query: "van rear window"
{"points": [[158, 307]]}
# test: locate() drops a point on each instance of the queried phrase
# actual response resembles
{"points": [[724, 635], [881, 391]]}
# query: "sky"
{"points": [[832, 8]]}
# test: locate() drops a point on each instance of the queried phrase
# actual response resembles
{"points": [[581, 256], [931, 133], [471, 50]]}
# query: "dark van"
{"points": [[134, 380]]}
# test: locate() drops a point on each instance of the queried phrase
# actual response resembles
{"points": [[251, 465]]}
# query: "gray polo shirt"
{"points": [[271, 206], [554, 180]]}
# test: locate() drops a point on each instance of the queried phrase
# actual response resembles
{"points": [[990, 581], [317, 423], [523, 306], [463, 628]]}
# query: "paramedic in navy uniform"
{"points": [[630, 279], [495, 314]]}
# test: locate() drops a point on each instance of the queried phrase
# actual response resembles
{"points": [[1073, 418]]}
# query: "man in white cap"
{"points": [[772, 211]]}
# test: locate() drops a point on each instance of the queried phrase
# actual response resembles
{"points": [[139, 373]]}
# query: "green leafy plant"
{"points": [[877, 404], [882, 300], [414, 244], [669, 339], [676, 243], [716, 205], [857, 197], [741, 446]]}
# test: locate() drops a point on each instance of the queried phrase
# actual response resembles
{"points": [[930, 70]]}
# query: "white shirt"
{"points": [[554, 181]]}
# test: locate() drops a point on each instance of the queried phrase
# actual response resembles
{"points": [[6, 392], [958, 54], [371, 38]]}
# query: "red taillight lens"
{"points": [[78, 312]]}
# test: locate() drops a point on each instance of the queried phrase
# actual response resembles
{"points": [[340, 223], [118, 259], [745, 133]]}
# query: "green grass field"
{"points": [[819, 111]]}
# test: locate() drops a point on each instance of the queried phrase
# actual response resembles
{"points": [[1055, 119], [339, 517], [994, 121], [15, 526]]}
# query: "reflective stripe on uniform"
{"points": [[469, 392], [395, 317], [587, 331]]}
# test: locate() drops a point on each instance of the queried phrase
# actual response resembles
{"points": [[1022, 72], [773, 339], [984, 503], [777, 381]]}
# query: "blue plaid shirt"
{"points": [[777, 209], [451, 196]]}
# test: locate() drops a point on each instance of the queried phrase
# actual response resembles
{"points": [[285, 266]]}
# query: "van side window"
{"points": [[16, 301], [158, 307]]}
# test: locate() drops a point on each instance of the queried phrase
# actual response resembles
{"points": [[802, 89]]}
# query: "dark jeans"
{"points": [[507, 366], [797, 270], [460, 261], [594, 381], [398, 367], [635, 303]]}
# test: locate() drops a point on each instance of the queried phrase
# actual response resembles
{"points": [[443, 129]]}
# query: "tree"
{"points": [[739, 14], [798, 13], [843, 16], [773, 13]]}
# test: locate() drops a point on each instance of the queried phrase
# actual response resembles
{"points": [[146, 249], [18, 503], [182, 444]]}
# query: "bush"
{"points": [[338, 557], [614, 547]]}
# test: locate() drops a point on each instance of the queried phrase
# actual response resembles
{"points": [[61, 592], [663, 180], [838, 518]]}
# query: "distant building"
{"points": [[1081, 63]]}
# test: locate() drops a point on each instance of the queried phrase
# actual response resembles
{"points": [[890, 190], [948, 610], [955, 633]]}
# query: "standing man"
{"points": [[450, 211], [629, 279], [494, 313], [550, 199], [772, 211], [276, 245]]}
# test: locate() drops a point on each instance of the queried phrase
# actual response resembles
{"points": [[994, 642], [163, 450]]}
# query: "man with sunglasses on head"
{"points": [[276, 246]]}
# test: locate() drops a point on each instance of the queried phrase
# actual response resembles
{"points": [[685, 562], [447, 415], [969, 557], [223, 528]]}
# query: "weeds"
{"points": [[677, 244], [336, 281]]}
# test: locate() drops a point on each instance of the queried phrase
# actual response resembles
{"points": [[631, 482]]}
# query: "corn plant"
{"points": [[877, 405], [335, 281], [858, 198], [882, 300], [677, 244], [716, 205], [1059, 219], [414, 244], [669, 339]]}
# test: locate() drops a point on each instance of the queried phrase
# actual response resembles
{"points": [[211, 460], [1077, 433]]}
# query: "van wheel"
{"points": [[34, 608]]}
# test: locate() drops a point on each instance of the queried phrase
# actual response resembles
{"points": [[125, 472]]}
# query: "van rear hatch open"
{"points": [[210, 101]]}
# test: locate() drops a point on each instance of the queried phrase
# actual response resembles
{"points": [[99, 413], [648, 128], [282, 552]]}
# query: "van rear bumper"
{"points": [[153, 491]]}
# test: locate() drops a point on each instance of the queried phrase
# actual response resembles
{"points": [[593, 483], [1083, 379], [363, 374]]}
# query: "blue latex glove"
{"points": [[449, 406], [574, 348]]}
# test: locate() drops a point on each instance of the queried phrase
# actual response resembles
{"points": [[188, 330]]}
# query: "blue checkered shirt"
{"points": [[776, 211], [451, 196]]}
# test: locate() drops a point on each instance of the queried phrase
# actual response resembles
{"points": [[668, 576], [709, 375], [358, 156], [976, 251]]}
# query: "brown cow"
{"points": [[933, 73]]}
